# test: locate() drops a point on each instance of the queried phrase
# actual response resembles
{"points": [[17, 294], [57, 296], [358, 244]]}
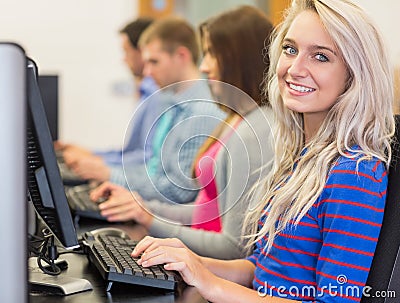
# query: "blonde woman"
{"points": [[330, 89]]}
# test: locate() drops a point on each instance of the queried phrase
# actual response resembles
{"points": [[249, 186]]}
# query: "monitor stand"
{"points": [[59, 285]]}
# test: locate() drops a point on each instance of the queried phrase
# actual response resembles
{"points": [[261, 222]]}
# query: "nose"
{"points": [[147, 70], [298, 67], [204, 66]]}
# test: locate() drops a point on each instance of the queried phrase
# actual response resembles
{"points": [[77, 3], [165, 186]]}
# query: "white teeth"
{"points": [[301, 89]]}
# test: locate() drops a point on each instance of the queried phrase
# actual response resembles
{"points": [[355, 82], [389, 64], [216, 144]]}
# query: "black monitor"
{"points": [[45, 187], [48, 85], [46, 194]]}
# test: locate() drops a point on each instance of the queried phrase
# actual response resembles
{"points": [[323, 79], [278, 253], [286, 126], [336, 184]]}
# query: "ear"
{"points": [[183, 53]]}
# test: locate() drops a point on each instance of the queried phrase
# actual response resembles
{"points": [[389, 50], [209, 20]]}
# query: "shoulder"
{"points": [[353, 164], [355, 187], [358, 180], [256, 126], [259, 117]]}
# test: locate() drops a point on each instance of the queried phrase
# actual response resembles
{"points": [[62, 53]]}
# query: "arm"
{"points": [[125, 156], [207, 243], [111, 157], [239, 271], [170, 212], [350, 214], [123, 205], [207, 275]]}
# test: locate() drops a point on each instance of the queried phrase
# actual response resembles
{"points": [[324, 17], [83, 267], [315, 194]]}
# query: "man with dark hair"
{"points": [[130, 35], [134, 29]]}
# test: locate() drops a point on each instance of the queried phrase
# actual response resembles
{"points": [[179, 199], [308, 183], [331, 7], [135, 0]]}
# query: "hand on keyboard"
{"points": [[122, 205], [176, 256], [81, 204], [110, 251]]}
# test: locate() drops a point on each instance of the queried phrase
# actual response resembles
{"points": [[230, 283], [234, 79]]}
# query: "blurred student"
{"points": [[144, 116], [232, 159], [315, 231], [170, 52]]}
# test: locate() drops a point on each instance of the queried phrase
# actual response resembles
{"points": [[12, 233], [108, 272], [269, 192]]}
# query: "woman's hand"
{"points": [[196, 270], [121, 204], [148, 244], [176, 256]]}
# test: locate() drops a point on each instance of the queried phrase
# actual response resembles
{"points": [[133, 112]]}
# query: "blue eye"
{"points": [[321, 57], [289, 50]]}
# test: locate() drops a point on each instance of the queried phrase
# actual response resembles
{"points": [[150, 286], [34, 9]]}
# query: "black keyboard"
{"points": [[66, 173], [111, 256], [80, 203]]}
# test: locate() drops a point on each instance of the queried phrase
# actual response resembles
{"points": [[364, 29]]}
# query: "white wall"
{"points": [[386, 15], [78, 40]]}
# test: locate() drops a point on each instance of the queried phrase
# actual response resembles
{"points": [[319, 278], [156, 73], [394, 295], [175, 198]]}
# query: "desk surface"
{"points": [[79, 267]]}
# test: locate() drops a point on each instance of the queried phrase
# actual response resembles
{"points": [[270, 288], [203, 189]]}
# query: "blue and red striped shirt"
{"points": [[327, 256]]}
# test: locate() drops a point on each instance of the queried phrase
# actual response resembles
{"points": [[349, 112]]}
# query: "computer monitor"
{"points": [[48, 85], [45, 187], [13, 229]]}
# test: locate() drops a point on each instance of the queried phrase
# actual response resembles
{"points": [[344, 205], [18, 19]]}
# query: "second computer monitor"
{"points": [[45, 187], [48, 85]]}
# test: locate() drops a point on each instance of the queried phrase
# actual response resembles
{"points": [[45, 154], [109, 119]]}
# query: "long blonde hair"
{"points": [[361, 116]]}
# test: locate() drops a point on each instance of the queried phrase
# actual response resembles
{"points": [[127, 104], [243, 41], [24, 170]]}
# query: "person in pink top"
{"points": [[206, 216], [232, 159]]}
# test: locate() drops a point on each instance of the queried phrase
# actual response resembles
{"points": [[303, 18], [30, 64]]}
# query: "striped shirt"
{"points": [[327, 256]]}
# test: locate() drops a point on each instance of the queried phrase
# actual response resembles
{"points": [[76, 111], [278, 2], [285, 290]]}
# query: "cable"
{"points": [[48, 253]]}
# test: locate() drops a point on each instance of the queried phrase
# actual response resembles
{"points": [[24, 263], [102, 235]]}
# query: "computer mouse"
{"points": [[110, 231]]}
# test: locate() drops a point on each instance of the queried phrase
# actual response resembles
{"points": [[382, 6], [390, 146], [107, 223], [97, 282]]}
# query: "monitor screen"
{"points": [[48, 85], [45, 187]]}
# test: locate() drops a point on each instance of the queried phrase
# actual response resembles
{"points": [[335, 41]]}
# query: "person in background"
{"points": [[228, 164], [170, 52], [81, 159], [315, 230]]}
